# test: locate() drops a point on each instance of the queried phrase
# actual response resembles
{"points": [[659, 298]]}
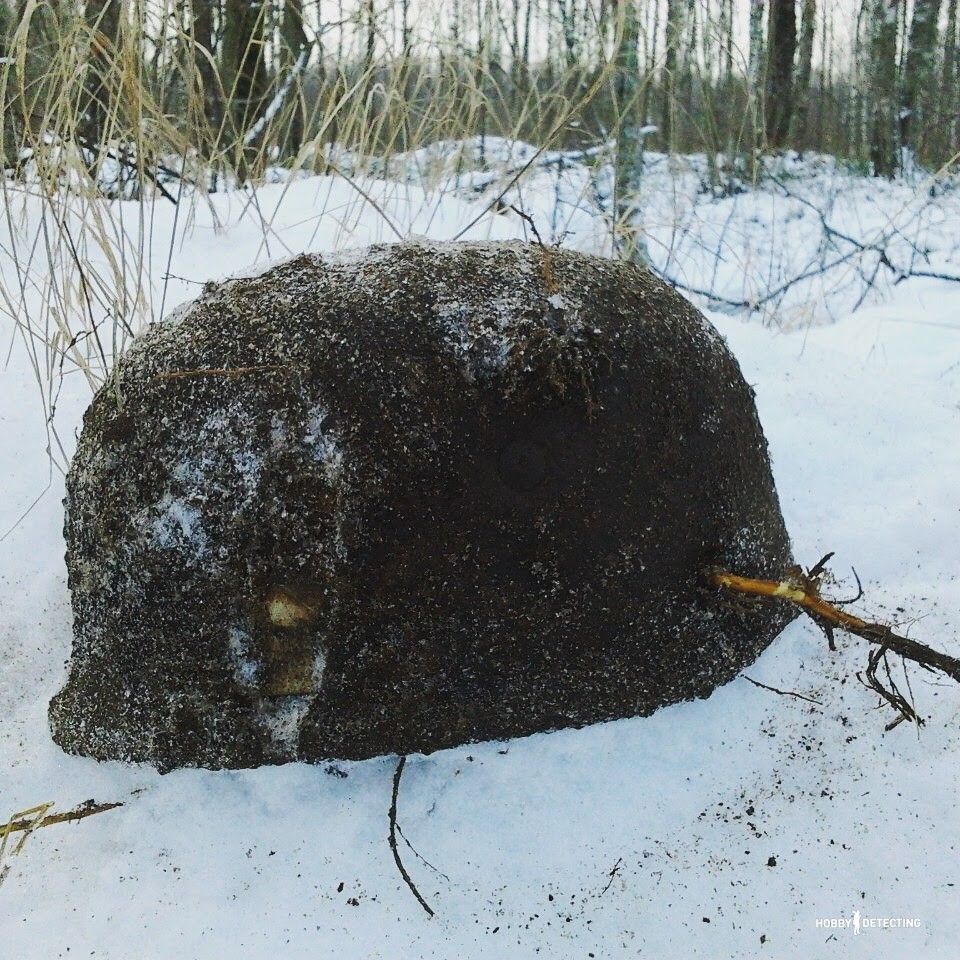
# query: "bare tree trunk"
{"points": [[406, 36], [526, 36], [918, 73], [883, 83], [755, 63], [686, 60], [100, 104], [370, 12], [801, 92], [826, 73], [568, 27], [672, 40], [781, 50], [244, 73], [479, 76], [650, 47], [726, 39], [949, 121], [294, 49], [204, 58], [341, 19]]}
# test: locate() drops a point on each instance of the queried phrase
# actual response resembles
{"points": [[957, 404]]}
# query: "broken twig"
{"points": [[612, 874], [783, 693]]}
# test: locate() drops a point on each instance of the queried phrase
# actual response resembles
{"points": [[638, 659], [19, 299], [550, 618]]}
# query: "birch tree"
{"points": [[755, 72], [801, 92], [755, 54], [630, 134]]}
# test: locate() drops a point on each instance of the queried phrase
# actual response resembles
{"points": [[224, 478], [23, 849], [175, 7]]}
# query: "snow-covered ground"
{"points": [[748, 824]]}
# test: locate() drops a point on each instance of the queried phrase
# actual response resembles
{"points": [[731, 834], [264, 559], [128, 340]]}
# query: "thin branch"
{"points": [[928, 274], [817, 569], [834, 238], [420, 856], [783, 693], [526, 217], [129, 164], [857, 596], [392, 838], [366, 196]]}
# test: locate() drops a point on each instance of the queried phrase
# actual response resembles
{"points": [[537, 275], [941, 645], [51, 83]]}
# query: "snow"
{"points": [[719, 828], [245, 667], [286, 717], [556, 301], [177, 524]]}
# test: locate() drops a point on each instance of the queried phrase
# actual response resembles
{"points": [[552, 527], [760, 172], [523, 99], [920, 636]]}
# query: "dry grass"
{"points": [[95, 117], [26, 822]]}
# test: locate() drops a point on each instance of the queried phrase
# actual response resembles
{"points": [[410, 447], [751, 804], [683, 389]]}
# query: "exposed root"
{"points": [[392, 839], [782, 693], [803, 589]]}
